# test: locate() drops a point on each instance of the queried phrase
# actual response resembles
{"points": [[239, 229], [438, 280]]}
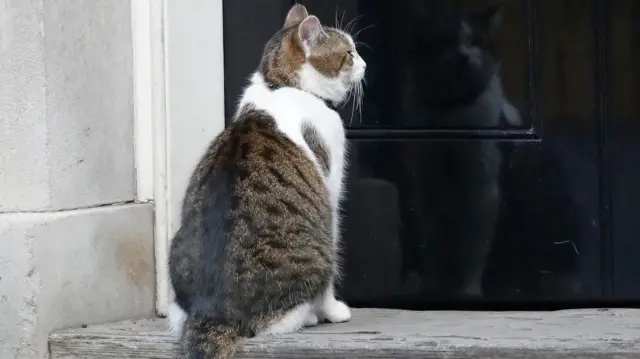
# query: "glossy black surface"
{"points": [[544, 209], [417, 228], [390, 31], [622, 155]]}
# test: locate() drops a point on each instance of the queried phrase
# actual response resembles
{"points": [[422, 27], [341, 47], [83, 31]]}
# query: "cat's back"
{"points": [[253, 190], [253, 177]]}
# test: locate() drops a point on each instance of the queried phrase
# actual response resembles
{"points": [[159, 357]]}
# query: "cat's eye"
{"points": [[350, 53]]}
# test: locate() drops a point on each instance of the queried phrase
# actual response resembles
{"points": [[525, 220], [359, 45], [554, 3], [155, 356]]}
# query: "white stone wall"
{"points": [[74, 247]]}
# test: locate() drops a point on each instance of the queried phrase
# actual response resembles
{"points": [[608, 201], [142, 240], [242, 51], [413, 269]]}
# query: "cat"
{"points": [[257, 249], [451, 205]]}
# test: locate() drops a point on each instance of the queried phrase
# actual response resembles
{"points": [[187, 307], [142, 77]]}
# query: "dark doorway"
{"points": [[513, 179]]}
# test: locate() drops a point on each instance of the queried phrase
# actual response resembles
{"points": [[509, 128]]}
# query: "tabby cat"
{"points": [[256, 252]]}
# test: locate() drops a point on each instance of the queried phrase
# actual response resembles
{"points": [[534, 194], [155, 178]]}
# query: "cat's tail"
{"points": [[207, 337]]}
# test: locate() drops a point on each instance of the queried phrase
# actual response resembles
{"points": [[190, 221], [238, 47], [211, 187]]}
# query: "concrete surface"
{"points": [[384, 334], [71, 250], [64, 269], [23, 128], [66, 104]]}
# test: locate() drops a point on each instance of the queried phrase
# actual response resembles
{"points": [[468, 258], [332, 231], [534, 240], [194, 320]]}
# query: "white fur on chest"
{"points": [[291, 108]]}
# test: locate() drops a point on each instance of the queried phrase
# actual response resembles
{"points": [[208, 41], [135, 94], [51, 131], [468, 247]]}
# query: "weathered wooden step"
{"points": [[583, 334]]}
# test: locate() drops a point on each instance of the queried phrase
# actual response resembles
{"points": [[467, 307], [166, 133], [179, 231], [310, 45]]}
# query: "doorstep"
{"points": [[376, 333]]}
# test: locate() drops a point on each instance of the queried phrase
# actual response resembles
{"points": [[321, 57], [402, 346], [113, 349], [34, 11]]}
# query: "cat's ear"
{"points": [[310, 29], [491, 16], [296, 14]]}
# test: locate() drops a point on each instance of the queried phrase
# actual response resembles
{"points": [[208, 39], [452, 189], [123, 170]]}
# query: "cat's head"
{"points": [[449, 52], [312, 57]]}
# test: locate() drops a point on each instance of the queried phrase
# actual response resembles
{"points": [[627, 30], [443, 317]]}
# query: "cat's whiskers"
{"points": [[352, 24], [342, 19], [347, 99], [360, 97], [353, 106], [355, 36], [349, 95], [360, 43], [356, 92]]}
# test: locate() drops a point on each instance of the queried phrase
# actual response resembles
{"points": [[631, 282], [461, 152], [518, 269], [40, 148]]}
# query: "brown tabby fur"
{"points": [[284, 54], [256, 234], [317, 146], [240, 243]]}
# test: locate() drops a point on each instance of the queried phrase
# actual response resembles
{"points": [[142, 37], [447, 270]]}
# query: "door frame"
{"points": [[179, 108]]}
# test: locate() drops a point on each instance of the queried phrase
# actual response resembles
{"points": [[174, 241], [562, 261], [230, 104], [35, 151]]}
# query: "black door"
{"points": [[495, 157]]}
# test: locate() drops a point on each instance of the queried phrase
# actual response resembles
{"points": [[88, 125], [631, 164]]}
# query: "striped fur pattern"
{"points": [[257, 252]]}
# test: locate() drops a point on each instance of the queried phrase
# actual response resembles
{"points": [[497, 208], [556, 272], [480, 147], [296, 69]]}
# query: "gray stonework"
{"points": [[74, 249], [66, 104], [68, 268]]}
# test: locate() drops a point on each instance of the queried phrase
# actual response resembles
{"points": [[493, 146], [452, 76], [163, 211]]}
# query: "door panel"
{"points": [[485, 214], [474, 207], [416, 227], [624, 138], [247, 26], [387, 32]]}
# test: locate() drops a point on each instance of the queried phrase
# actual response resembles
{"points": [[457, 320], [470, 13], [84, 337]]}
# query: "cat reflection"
{"points": [[451, 80]]}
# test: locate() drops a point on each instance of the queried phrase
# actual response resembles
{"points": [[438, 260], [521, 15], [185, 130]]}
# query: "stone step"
{"points": [[376, 333]]}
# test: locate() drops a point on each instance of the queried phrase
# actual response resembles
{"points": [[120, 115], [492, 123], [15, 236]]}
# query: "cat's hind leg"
{"points": [[312, 319], [176, 319], [294, 320], [328, 308]]}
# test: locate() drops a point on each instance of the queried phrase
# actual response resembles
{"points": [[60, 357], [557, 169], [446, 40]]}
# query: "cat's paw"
{"points": [[334, 311], [292, 321], [311, 320], [176, 319]]}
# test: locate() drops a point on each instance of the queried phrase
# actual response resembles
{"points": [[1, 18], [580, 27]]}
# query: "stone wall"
{"points": [[75, 248]]}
